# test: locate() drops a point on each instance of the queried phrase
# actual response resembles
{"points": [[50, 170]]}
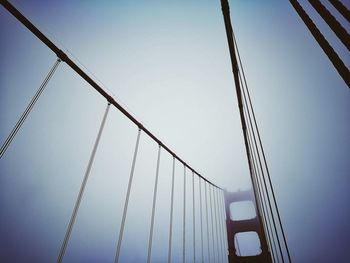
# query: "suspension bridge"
{"points": [[215, 233]]}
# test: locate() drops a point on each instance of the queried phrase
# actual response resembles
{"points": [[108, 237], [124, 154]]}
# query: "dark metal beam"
{"points": [[227, 20], [341, 9], [63, 56], [229, 34], [327, 48], [332, 22]]}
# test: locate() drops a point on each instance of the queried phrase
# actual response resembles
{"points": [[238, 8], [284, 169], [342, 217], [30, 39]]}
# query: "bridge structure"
{"points": [[220, 231]]}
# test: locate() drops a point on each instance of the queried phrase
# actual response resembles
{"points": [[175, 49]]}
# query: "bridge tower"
{"points": [[242, 226]]}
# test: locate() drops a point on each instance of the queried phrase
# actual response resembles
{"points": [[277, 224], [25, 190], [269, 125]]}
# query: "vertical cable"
{"points": [[216, 225], [30, 106], [194, 220], [271, 237], [201, 217], [224, 230], [206, 213], [259, 191], [220, 236], [222, 226], [171, 211], [212, 223], [261, 194], [261, 197], [82, 188], [263, 152], [153, 209], [221, 218], [184, 220], [229, 34], [121, 231], [228, 28], [223, 212]]}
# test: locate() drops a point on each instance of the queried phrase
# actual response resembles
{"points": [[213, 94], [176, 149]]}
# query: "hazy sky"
{"points": [[168, 63]]}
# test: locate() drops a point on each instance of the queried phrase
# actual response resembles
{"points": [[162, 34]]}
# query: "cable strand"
{"points": [[126, 204], [82, 188], [30, 106]]}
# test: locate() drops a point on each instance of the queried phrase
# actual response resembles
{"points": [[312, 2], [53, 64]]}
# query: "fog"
{"points": [[168, 64]]}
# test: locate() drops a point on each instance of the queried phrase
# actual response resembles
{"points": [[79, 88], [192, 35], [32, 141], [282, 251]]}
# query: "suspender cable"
{"points": [[268, 227], [341, 9], [216, 226], [206, 213], [235, 69], [265, 212], [30, 106], [323, 43], [82, 188], [256, 169], [263, 153], [153, 208], [184, 220], [212, 222], [266, 215], [219, 232], [222, 244], [262, 197], [222, 226], [122, 226], [64, 57], [201, 218], [194, 220], [221, 247], [229, 34], [171, 211], [223, 213], [332, 22]]}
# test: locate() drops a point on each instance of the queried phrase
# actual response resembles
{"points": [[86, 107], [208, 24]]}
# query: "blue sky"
{"points": [[168, 63]]}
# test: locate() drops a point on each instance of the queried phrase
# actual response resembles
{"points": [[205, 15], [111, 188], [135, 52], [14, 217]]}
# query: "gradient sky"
{"points": [[168, 64]]}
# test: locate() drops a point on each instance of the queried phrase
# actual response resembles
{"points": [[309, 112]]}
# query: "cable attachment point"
{"points": [[61, 55]]}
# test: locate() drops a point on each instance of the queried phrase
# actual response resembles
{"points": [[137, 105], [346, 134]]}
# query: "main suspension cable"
{"points": [[65, 58]]}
